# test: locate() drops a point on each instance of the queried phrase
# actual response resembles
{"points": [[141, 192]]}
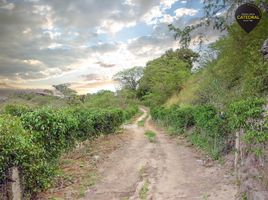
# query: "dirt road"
{"points": [[160, 170]]}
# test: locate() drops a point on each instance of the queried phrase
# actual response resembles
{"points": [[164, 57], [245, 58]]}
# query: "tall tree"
{"points": [[165, 75], [129, 78], [65, 89]]}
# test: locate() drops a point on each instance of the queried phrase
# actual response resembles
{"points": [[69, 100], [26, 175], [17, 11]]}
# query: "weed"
{"points": [[150, 135], [141, 123], [144, 190]]}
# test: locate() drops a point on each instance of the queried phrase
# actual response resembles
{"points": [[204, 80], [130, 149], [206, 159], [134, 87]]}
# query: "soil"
{"points": [[164, 169]]}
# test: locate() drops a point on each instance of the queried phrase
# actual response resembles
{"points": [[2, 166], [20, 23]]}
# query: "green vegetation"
{"points": [[226, 94], [142, 122], [34, 138], [129, 78], [150, 135], [164, 76], [144, 190]]}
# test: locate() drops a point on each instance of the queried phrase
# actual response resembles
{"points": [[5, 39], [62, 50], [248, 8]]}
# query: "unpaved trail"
{"points": [[163, 170]]}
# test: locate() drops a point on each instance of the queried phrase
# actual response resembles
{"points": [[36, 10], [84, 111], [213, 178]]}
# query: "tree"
{"points": [[183, 54], [65, 89], [218, 14], [129, 78], [165, 75]]}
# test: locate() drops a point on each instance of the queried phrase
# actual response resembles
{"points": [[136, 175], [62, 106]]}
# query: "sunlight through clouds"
{"points": [[46, 42]]}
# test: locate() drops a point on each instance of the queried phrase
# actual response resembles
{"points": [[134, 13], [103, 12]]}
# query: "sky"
{"points": [[85, 42]]}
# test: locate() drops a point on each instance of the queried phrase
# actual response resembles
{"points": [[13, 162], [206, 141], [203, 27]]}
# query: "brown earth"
{"points": [[167, 169]]}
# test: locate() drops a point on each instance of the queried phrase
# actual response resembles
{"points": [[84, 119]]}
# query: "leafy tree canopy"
{"points": [[65, 89], [129, 78]]}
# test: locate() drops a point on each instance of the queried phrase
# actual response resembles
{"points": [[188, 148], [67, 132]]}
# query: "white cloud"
{"points": [[152, 16], [167, 4], [33, 62], [9, 6], [168, 19], [112, 26], [180, 12]]}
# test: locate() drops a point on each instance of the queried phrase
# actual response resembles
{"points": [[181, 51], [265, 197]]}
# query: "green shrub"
{"points": [[35, 141], [130, 111], [52, 129], [181, 118], [18, 149], [211, 131], [16, 110], [176, 117], [106, 121], [14, 143], [208, 120], [248, 114]]}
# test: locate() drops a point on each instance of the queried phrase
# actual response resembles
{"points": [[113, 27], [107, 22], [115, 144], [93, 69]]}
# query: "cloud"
{"points": [[94, 77], [83, 88], [44, 42], [167, 3], [180, 12], [5, 85], [105, 65]]}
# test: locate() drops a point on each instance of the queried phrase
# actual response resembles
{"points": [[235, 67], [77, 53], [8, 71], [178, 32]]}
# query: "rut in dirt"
{"points": [[159, 170]]}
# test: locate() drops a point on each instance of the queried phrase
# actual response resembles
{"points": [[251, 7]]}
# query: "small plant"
{"points": [[141, 123], [144, 190], [150, 135]]}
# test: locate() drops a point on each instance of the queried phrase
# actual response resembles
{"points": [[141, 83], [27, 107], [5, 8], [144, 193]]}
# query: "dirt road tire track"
{"points": [[171, 171]]}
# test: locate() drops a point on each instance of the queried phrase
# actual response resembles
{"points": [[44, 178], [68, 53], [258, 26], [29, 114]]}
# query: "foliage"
{"points": [[18, 149], [211, 131], [238, 71], [218, 15], [16, 110], [248, 114], [107, 99], [129, 78], [14, 142], [130, 111], [36, 140], [164, 76], [150, 135], [65, 89], [180, 118], [53, 129]]}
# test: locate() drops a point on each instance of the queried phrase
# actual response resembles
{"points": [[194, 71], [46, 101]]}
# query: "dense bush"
{"points": [[18, 149], [130, 111], [106, 121], [211, 131], [14, 143], [248, 114], [179, 118], [52, 129], [16, 110], [35, 141], [213, 128]]}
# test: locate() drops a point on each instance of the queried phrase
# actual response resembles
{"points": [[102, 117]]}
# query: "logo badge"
{"points": [[248, 16]]}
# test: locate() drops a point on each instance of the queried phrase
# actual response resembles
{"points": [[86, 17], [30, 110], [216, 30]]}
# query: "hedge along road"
{"points": [[159, 170]]}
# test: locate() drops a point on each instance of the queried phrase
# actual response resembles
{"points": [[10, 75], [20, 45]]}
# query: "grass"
{"points": [[205, 144], [150, 135], [141, 123], [144, 190]]}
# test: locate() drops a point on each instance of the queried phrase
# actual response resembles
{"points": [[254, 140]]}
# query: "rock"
{"points": [[96, 157]]}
